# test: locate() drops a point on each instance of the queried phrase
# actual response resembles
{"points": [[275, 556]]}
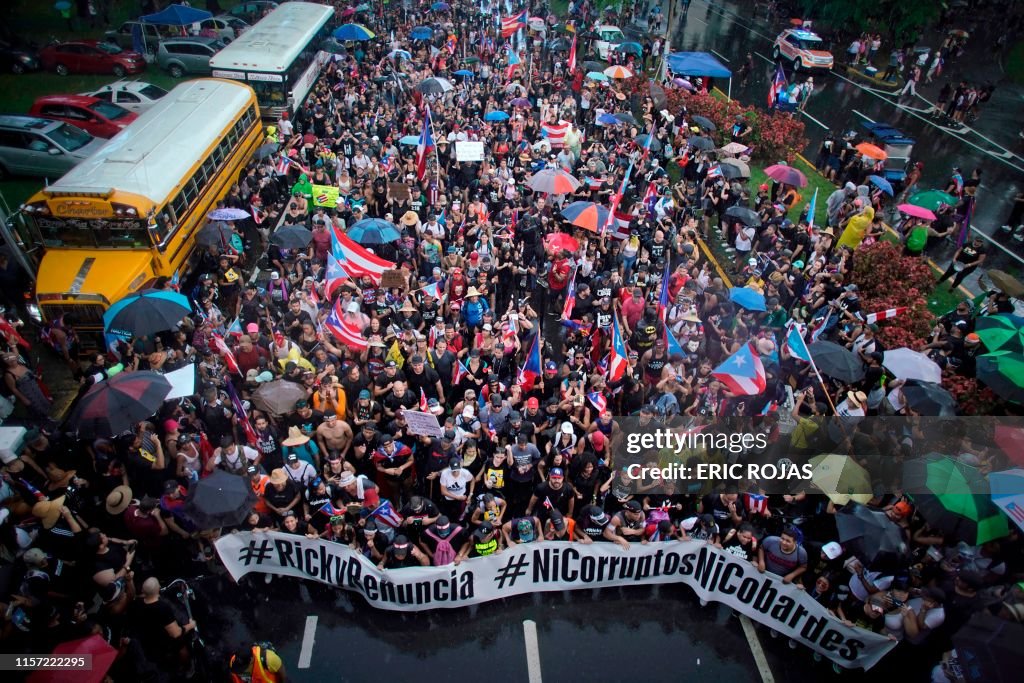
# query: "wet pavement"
{"points": [[838, 103], [658, 633]]}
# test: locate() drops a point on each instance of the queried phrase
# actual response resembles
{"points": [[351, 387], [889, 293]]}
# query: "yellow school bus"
{"points": [[129, 213]]}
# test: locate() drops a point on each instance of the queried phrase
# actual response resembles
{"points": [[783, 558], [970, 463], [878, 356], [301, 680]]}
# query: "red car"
{"points": [[100, 118], [91, 57]]}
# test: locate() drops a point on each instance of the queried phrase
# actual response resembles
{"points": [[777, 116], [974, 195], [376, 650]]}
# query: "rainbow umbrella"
{"points": [[587, 215], [553, 181]]}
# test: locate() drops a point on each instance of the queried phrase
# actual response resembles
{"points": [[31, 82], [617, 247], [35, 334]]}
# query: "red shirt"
{"points": [[632, 311], [558, 277]]}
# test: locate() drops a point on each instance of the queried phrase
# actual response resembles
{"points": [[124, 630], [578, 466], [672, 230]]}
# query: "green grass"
{"points": [[815, 181], [1015, 63]]}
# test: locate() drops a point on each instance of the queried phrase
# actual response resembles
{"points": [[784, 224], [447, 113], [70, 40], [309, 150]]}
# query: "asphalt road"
{"points": [[729, 30]]}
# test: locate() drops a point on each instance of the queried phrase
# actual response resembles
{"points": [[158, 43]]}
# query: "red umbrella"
{"points": [[781, 173], [114, 406], [347, 12], [103, 656], [1011, 440], [916, 211], [561, 241]]}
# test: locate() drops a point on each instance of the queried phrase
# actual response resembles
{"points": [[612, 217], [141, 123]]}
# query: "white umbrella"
{"points": [[909, 364]]}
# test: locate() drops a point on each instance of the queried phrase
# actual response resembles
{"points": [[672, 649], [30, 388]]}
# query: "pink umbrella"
{"points": [[683, 83], [347, 12], [103, 656], [916, 211]]}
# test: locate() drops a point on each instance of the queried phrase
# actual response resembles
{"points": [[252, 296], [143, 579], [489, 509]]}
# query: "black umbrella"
{"points": [[221, 499], [989, 649], [214, 234], [115, 405], [593, 66], [871, 536], [700, 143], [265, 150], [626, 117], [743, 214], [435, 86], [292, 237], [928, 398], [837, 361], [146, 312], [658, 95], [730, 172], [642, 140], [704, 122], [558, 44]]}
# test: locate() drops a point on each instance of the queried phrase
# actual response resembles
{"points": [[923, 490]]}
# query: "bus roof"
{"points": [[274, 42], [152, 156]]}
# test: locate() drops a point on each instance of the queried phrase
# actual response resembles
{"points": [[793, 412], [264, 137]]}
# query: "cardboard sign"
{"points": [[422, 423], [400, 191], [325, 195], [390, 279], [469, 150]]}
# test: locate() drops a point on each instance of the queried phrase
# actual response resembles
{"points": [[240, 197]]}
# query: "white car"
{"points": [[226, 26], [136, 96], [607, 38]]}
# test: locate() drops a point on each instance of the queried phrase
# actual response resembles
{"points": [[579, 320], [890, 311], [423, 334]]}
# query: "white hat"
{"points": [[275, 275], [567, 428], [353, 307], [832, 550], [467, 411]]}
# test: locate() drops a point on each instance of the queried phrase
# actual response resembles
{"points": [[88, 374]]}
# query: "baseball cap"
{"points": [[551, 366], [292, 457], [532, 402], [598, 439], [557, 472], [633, 506], [365, 393], [832, 550]]}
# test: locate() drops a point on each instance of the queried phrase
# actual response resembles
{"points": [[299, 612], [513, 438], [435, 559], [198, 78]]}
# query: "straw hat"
{"points": [[48, 511], [118, 500], [691, 318], [857, 399], [409, 218], [278, 477], [407, 306], [295, 437], [473, 291]]}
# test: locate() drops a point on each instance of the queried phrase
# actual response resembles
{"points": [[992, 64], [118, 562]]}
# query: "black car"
{"points": [[16, 60]]}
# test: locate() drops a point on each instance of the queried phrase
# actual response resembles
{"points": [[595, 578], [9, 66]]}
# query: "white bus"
{"points": [[279, 57]]}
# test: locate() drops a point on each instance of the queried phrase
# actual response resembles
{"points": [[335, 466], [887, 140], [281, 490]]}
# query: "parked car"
{"points": [[91, 57], [15, 60], [803, 48], [252, 11], [180, 56], [136, 96], [122, 37], [93, 115], [607, 38], [226, 26], [40, 147]]}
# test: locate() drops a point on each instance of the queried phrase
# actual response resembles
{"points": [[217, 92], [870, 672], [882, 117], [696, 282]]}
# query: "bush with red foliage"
{"points": [[970, 398], [888, 279], [775, 136]]}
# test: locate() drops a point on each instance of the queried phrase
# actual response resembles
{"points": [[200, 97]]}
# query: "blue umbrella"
{"points": [[881, 183], [496, 116], [374, 231], [597, 76], [410, 140], [464, 72], [440, 7], [353, 32], [747, 298], [146, 312], [634, 48], [607, 119], [228, 214], [422, 33], [401, 54], [586, 215]]}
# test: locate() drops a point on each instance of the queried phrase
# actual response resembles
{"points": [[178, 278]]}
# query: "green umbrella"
{"points": [[954, 497], [470, 60], [930, 199], [1001, 332], [841, 478], [1003, 373]]}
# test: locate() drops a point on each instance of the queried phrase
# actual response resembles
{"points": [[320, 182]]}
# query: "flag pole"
{"points": [[814, 367]]}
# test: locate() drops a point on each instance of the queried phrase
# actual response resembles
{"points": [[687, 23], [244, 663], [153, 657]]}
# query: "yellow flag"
{"points": [[395, 354], [325, 195]]}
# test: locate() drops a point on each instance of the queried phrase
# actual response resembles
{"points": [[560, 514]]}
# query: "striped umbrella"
{"points": [[587, 215], [553, 181], [954, 497], [353, 32], [1001, 332], [114, 406], [618, 71], [146, 312]]}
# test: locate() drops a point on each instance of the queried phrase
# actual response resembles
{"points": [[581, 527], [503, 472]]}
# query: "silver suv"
{"points": [[180, 56], [41, 147]]}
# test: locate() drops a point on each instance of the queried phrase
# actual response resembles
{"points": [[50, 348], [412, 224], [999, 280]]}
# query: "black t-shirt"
{"points": [[591, 528], [406, 401], [280, 499], [712, 504], [970, 254], [426, 380], [559, 498], [151, 622]]}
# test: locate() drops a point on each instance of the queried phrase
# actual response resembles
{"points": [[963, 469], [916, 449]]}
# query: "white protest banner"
{"points": [[183, 382], [469, 150], [422, 424], [713, 574]]}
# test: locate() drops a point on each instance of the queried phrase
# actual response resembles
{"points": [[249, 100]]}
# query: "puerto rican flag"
{"points": [[509, 25], [811, 208], [663, 295], [285, 163], [872, 318], [423, 401], [336, 275], [618, 361], [672, 344], [620, 225], [343, 330], [572, 57], [514, 60], [650, 199], [555, 133], [258, 214], [532, 368], [240, 414], [434, 290], [795, 344], [714, 171], [355, 260], [777, 86], [756, 503], [425, 147], [570, 297], [229, 357], [742, 373], [598, 401], [459, 372], [387, 514]]}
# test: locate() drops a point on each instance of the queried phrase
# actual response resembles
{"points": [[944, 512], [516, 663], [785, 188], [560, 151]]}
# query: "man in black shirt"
{"points": [[423, 378], [553, 493], [965, 261], [400, 398], [724, 507]]}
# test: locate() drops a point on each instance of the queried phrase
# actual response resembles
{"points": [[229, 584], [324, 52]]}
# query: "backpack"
{"points": [[444, 553]]}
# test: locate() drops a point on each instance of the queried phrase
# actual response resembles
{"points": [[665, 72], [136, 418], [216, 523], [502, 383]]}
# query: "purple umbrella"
{"points": [[521, 102]]}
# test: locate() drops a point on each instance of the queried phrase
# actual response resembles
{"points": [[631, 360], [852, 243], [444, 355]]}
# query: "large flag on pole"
{"points": [[618, 361], [795, 344], [742, 373], [509, 25], [343, 330], [240, 414], [572, 57], [531, 369], [570, 297], [663, 296], [810, 212], [777, 86], [355, 260], [425, 146]]}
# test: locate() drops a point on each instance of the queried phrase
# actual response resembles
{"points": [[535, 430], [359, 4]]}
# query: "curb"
{"points": [[875, 81]]}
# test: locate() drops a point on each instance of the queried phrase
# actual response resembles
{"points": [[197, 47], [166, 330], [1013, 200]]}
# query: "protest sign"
{"points": [[391, 279], [469, 150], [325, 195], [422, 423]]}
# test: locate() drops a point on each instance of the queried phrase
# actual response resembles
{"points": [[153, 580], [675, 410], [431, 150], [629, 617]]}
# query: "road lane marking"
{"points": [[755, 649], [814, 119], [770, 61], [863, 116], [532, 651], [722, 57], [308, 637]]}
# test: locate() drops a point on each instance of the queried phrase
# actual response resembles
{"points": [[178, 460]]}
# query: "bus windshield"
{"points": [[85, 233]]}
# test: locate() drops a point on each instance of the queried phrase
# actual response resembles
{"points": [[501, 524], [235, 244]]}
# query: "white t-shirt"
{"points": [[933, 619], [301, 475], [456, 482], [249, 453]]}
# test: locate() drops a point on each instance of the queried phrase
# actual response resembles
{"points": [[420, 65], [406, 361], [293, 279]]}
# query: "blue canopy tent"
{"points": [[176, 15], [698, 64]]}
